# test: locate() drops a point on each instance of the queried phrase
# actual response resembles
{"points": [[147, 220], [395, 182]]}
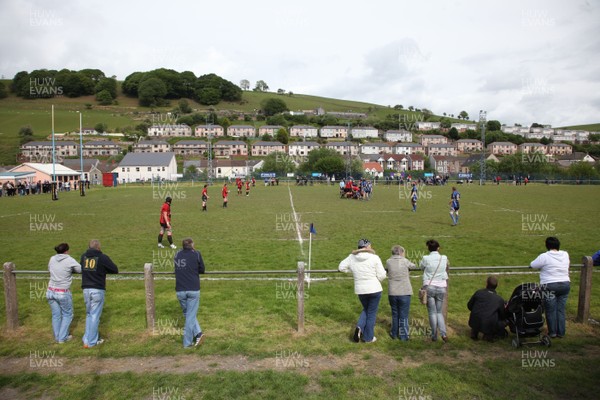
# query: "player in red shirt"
{"points": [[165, 224], [239, 186], [253, 182], [247, 188], [204, 197], [225, 192]]}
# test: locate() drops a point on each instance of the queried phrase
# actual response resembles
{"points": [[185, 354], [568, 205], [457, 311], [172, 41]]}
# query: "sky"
{"points": [[521, 61]]}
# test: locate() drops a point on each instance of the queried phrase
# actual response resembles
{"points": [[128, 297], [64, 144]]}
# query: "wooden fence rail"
{"points": [[12, 314]]}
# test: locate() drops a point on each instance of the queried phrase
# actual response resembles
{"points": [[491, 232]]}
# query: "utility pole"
{"points": [[348, 153], [209, 163], [482, 122]]}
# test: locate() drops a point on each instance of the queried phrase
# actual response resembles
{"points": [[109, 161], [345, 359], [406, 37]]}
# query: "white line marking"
{"points": [[297, 222]]}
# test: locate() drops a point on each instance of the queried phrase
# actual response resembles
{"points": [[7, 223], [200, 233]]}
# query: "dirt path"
{"points": [[376, 364]]}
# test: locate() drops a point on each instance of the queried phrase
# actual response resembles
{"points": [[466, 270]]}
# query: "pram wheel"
{"points": [[516, 343], [546, 341]]}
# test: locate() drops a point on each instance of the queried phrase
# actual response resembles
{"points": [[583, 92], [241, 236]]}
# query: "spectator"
{"points": [[399, 292], [596, 259], [61, 267], [188, 266], [367, 270], [556, 285], [487, 312], [94, 267], [435, 276]]}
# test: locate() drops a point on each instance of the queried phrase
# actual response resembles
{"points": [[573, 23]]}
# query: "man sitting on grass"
{"points": [[487, 312]]}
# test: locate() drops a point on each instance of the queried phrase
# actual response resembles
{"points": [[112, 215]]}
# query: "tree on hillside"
{"points": [[208, 96], [273, 106], [151, 92], [280, 91], [282, 136], [104, 98], [25, 134], [261, 86], [3, 91], [184, 106], [245, 84], [100, 127], [411, 108], [463, 114], [453, 134], [492, 125], [108, 84], [398, 107], [582, 169]]}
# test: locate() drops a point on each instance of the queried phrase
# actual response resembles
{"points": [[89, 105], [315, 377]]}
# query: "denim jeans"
{"points": [[400, 308], [435, 301], [555, 299], [190, 301], [94, 302], [366, 321], [61, 305]]}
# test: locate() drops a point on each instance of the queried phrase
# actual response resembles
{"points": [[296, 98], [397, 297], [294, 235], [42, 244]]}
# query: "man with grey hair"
{"points": [[399, 291], [188, 267], [94, 267]]}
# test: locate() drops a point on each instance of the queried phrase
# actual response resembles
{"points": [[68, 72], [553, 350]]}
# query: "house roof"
{"points": [[222, 163], [468, 141], [502, 144], [310, 144], [230, 142], [373, 166], [152, 142], [267, 144], [241, 127], [75, 164], [402, 131], [341, 144], [442, 145], [377, 144], [192, 142], [57, 143], [214, 126], [101, 143], [147, 159], [408, 145], [304, 127], [47, 169]]}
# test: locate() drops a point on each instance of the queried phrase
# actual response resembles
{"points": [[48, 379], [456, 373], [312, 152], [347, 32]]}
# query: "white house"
{"points": [[169, 130], [398, 136], [136, 167], [262, 148], [304, 131], [343, 148], [462, 127], [364, 132], [241, 131], [408, 148], [334, 131], [269, 130], [151, 146], [100, 148], [375, 148], [302, 148], [427, 125], [209, 130]]}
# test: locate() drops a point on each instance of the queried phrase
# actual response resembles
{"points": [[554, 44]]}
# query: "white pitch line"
{"points": [[296, 220]]}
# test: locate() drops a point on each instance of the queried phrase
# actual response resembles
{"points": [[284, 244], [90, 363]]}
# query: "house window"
{"points": [[149, 169], [163, 168], [137, 169]]}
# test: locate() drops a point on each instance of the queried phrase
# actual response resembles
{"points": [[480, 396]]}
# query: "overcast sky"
{"points": [[522, 61]]}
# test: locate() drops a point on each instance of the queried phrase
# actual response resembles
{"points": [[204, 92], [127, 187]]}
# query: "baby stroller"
{"points": [[525, 317]]}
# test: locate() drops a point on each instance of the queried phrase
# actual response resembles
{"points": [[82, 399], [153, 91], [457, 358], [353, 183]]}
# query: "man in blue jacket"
{"points": [[94, 267], [188, 267]]}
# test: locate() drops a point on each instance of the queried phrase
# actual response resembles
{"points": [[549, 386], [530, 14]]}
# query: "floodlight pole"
{"points": [[348, 153], [482, 122], [54, 185], [81, 180], [209, 163]]}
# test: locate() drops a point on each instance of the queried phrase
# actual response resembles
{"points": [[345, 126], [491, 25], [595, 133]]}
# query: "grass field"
{"points": [[252, 348]]}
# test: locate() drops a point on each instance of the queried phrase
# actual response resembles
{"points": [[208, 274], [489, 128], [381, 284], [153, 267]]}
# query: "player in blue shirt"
{"points": [[414, 196], [454, 205]]}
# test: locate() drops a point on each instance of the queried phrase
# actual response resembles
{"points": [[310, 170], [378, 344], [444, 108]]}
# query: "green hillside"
{"points": [[588, 127]]}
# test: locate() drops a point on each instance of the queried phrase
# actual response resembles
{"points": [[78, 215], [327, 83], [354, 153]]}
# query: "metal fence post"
{"points": [[300, 296], [149, 286], [10, 296], [585, 290]]}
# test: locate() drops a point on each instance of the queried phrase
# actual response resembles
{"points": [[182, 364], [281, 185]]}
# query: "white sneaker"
{"points": [[374, 340], [173, 246], [160, 246]]}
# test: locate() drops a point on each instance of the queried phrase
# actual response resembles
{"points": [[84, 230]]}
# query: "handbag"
{"points": [[423, 290]]}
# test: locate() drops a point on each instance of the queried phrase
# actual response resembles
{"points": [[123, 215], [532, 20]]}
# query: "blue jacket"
{"points": [[188, 266]]}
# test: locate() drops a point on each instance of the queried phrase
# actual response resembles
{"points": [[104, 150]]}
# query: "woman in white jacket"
{"points": [[555, 282], [367, 270]]}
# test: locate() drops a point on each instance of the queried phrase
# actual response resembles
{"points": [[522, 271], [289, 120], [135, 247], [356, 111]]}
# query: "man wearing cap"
{"points": [[165, 224], [367, 270]]}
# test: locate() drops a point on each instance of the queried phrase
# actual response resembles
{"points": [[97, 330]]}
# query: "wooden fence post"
{"points": [[149, 285], [585, 290], [300, 297], [10, 297]]}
